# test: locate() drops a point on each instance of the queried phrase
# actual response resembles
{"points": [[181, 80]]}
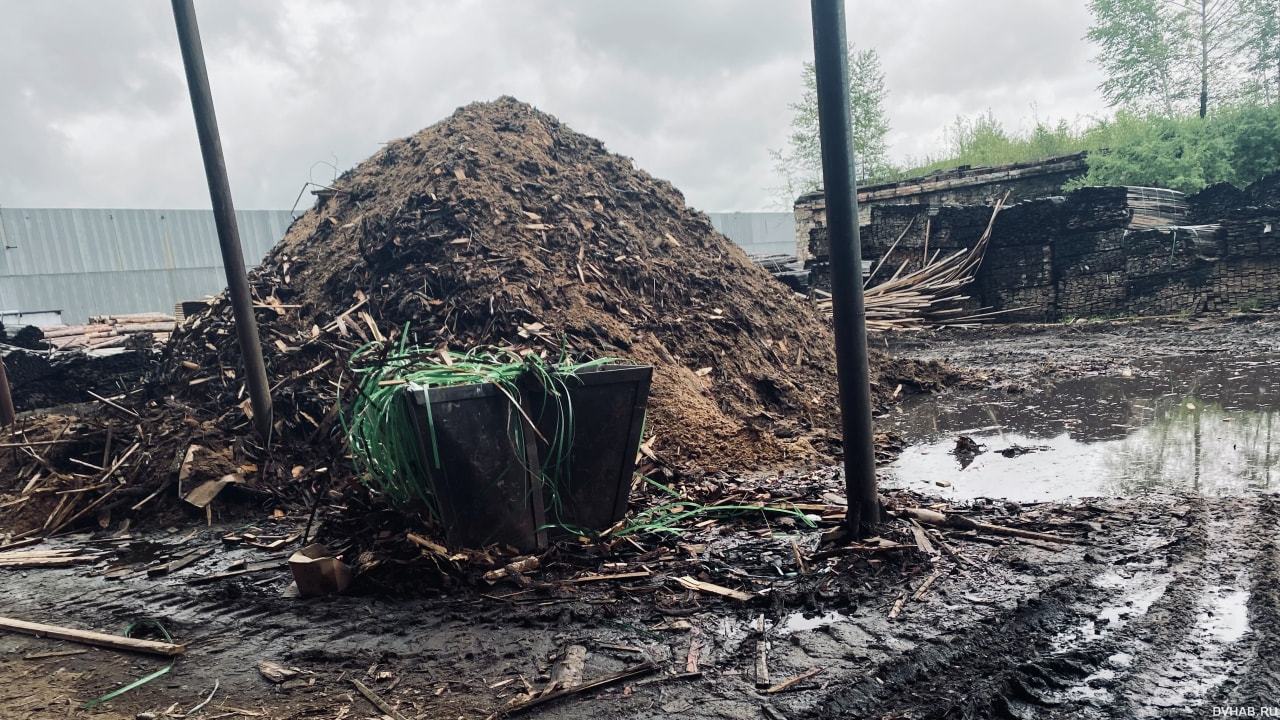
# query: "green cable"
{"points": [[128, 632]]}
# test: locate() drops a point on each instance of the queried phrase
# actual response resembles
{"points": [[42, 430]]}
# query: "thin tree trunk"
{"points": [[1204, 58]]}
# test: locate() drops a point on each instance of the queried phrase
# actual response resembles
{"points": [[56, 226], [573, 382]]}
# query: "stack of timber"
{"points": [[929, 296], [1097, 208], [109, 331], [786, 268]]}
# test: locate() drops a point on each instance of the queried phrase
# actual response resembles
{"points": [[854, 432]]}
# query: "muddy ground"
{"points": [[1165, 605]]}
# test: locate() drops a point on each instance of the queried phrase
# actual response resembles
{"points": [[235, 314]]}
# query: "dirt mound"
{"points": [[501, 226]]}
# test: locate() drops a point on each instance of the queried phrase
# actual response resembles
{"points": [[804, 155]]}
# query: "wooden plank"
{"points": [[706, 587], [616, 576], [88, 637], [631, 672], [784, 685], [378, 702], [256, 567]]}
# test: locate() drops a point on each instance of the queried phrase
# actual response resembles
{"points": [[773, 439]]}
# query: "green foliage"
{"points": [[1176, 57], [983, 140], [672, 518], [1255, 142], [799, 165], [1236, 145]]}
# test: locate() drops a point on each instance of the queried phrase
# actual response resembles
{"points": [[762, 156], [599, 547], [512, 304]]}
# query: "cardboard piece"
{"points": [[316, 572], [206, 492]]}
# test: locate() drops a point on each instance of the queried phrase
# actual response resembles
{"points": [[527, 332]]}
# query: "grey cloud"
{"points": [[93, 109]]}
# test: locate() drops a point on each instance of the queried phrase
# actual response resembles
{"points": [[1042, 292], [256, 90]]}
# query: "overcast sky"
{"points": [[94, 110]]}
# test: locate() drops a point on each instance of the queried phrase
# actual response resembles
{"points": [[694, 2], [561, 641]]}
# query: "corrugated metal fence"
{"points": [[101, 262], [97, 262]]}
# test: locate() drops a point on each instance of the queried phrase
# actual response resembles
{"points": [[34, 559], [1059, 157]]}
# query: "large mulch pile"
{"points": [[497, 226], [501, 226]]}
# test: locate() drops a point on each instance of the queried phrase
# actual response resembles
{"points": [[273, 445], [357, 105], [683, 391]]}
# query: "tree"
{"points": [[800, 164], [1137, 53], [1260, 47], [1167, 56]]}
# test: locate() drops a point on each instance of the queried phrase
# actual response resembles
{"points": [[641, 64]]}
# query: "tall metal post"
{"points": [[224, 213], [831, 65], [7, 415]]}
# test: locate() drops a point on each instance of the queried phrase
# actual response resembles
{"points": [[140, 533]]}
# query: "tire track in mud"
{"points": [[972, 675], [1257, 682], [1178, 648], [1160, 632]]}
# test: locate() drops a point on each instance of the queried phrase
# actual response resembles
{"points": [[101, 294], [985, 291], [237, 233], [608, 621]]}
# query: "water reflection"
{"points": [[1190, 445], [1197, 423]]}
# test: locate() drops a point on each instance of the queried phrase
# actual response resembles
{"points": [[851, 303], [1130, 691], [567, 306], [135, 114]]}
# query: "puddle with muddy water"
{"points": [[1204, 423]]}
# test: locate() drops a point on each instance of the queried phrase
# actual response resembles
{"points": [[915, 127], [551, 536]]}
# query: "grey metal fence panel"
{"points": [[759, 233], [89, 262]]}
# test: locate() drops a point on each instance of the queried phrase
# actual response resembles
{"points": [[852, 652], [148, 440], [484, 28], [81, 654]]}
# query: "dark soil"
{"points": [[1015, 355], [42, 381], [1134, 620]]}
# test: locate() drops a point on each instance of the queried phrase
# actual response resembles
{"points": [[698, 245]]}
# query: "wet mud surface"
{"points": [[1166, 607], [1167, 603]]}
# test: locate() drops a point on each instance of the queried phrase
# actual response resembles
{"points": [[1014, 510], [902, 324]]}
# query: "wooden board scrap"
{"points": [[705, 587], [88, 637]]}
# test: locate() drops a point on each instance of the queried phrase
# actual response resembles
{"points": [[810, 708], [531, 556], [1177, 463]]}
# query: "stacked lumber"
{"points": [[43, 558], [1104, 208], [1156, 207], [929, 296], [108, 331], [785, 268], [1247, 277]]}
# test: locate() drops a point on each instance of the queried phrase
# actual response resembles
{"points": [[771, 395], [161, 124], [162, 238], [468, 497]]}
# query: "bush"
{"points": [[1236, 145]]}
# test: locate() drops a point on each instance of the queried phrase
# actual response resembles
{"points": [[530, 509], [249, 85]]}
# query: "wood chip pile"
{"points": [[497, 226]]}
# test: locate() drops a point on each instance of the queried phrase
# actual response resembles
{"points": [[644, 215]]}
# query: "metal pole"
{"points": [[7, 415], [224, 214], [831, 65]]}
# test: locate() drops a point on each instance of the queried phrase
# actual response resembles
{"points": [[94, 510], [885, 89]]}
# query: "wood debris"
{"points": [[377, 701], [44, 558], [631, 672], [926, 297], [762, 655], [788, 684], [932, 517], [88, 637]]}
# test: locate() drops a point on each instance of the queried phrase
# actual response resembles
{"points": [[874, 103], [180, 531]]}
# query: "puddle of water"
{"points": [[1225, 618], [1197, 424], [1208, 660], [798, 622], [1120, 660]]}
